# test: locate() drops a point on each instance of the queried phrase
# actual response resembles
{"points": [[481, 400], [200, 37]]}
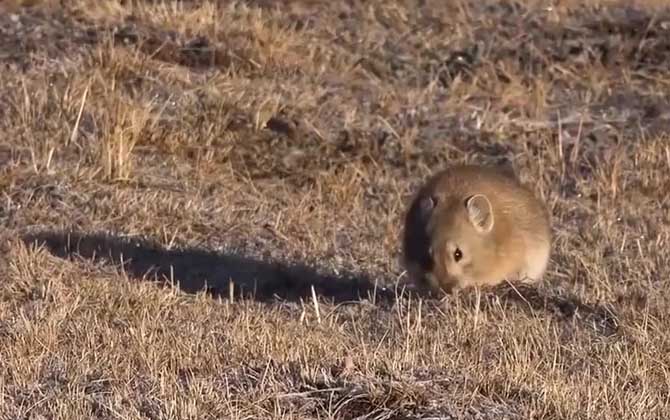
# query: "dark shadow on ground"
{"points": [[194, 270], [600, 318]]}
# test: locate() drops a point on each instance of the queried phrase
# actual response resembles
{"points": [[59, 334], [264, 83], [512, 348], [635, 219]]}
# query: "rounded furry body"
{"points": [[475, 226]]}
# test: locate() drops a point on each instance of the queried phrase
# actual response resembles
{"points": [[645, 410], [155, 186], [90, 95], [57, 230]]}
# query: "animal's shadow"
{"points": [[598, 317], [195, 270]]}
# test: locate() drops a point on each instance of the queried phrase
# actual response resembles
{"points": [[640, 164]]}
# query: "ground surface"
{"points": [[203, 142]]}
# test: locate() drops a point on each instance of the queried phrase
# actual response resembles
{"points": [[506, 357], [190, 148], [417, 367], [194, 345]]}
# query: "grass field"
{"points": [[274, 147]]}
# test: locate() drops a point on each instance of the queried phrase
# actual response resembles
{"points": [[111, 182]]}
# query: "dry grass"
{"points": [[274, 148]]}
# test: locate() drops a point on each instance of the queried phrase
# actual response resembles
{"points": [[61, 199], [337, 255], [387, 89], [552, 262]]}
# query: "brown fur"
{"points": [[502, 234]]}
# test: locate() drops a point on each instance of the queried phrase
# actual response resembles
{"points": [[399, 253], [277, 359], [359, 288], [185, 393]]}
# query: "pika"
{"points": [[475, 225]]}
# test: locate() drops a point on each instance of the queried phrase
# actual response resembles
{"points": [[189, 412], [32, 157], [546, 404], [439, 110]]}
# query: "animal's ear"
{"points": [[480, 212], [427, 204]]}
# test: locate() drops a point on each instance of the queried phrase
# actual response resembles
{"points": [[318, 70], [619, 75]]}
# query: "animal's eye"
{"points": [[458, 255]]}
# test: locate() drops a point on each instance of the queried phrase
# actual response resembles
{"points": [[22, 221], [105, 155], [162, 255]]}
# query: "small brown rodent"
{"points": [[475, 226]]}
